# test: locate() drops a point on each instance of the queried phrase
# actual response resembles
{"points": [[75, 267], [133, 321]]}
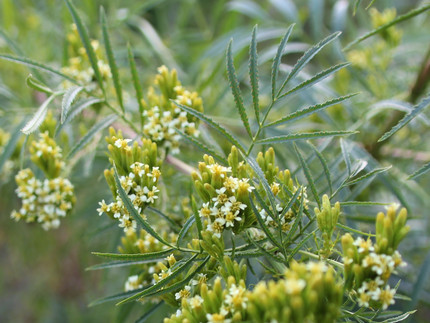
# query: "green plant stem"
{"points": [[418, 88]]}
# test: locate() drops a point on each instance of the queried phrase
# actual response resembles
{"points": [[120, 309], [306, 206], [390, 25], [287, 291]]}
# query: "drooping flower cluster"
{"points": [[307, 293], [162, 117], [44, 201], [78, 65], [138, 174], [368, 266]]}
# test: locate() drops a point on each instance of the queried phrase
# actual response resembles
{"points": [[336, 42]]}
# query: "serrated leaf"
{"points": [[136, 83], [75, 110], [253, 73], [309, 110], [211, 123], [160, 283], [235, 89], [406, 119], [133, 212], [202, 146], [123, 263], [314, 80], [368, 175], [401, 18], [299, 245], [399, 318], [134, 256], [277, 59], [346, 228], [38, 117], [111, 58], [186, 227], [83, 34], [301, 136], [99, 126], [37, 85], [68, 99], [420, 171], [11, 145], [37, 65], [346, 156], [307, 56], [308, 176]]}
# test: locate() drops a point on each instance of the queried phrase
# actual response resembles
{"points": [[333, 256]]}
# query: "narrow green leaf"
{"points": [[133, 212], [324, 164], [301, 136], [134, 256], [188, 224], [111, 58], [37, 65], [362, 203], [11, 145], [300, 245], [162, 282], [401, 18], [290, 204], [235, 89], [99, 126], [83, 34], [297, 219], [75, 110], [307, 56], [277, 59], [202, 146], [314, 80], [122, 263], [115, 297], [174, 226], [68, 99], [211, 123], [196, 217], [38, 117], [309, 110], [148, 314], [420, 171], [263, 225], [136, 83], [346, 228], [407, 118], [308, 175], [368, 175], [37, 85], [399, 318], [253, 73]]}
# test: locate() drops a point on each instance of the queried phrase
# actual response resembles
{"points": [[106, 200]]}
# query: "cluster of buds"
{"points": [[225, 196], [79, 67], [392, 35], [44, 201], [142, 274], [308, 293], [327, 219], [138, 171], [368, 266], [163, 117]]}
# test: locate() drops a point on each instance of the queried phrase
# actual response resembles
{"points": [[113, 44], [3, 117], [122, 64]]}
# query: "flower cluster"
{"points": [[79, 67], [163, 117], [327, 218], [138, 172], [368, 266], [307, 293], [226, 197], [44, 201]]}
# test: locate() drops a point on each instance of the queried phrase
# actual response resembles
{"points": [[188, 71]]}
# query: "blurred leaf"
{"points": [[136, 83], [148, 314], [234, 85], [301, 136], [134, 256], [37, 85], [11, 145], [420, 171], [253, 74]]}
